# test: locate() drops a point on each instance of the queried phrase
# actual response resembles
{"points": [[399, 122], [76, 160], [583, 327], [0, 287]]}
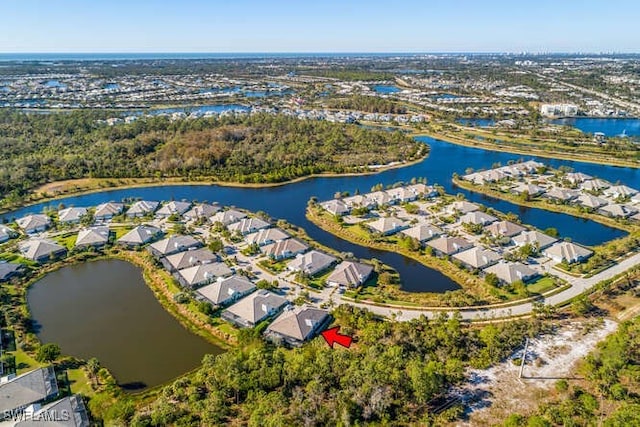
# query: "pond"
{"points": [[609, 126], [104, 309]]}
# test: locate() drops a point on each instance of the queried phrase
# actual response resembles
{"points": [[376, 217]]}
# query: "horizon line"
{"points": [[392, 52]]}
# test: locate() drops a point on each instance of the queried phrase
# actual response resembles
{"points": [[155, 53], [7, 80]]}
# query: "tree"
{"points": [[48, 352], [216, 245], [491, 279]]}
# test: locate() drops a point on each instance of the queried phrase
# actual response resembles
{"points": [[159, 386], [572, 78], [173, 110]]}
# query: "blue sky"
{"points": [[319, 26]]}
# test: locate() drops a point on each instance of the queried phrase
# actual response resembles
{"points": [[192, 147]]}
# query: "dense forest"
{"points": [[370, 104], [40, 148], [395, 372]]}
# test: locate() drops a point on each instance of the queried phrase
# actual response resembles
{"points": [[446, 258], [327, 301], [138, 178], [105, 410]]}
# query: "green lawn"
{"points": [[67, 240], [541, 285], [120, 231]]}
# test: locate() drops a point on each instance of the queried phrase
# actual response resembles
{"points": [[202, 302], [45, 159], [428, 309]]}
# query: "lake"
{"points": [[608, 126], [289, 202], [477, 122], [104, 309], [386, 89]]}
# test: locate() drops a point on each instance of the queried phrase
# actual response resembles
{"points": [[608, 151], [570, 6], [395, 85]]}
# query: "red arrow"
{"points": [[332, 336]]}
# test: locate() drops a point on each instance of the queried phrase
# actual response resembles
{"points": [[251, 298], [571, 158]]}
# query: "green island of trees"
{"points": [[370, 104]]}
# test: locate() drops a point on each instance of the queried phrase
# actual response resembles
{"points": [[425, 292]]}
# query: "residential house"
{"points": [[202, 210], [380, 198], [422, 190], [311, 263], [66, 412], [505, 228], [32, 224], [227, 217], [358, 201], [618, 210], [423, 232], [142, 208], [140, 235], [462, 206], [248, 226], [174, 244], [335, 207], [294, 327], [591, 202], [446, 245], [42, 250], [595, 185], [577, 177], [106, 211], [510, 272], [620, 191], [9, 270], [203, 274], [71, 215], [186, 259], [31, 387], [96, 237], [266, 236], [284, 249], [477, 217], [531, 189], [224, 291], [350, 273], [476, 258], [254, 308], [387, 225], [173, 208], [560, 194], [535, 238], [402, 195], [567, 251], [5, 233]]}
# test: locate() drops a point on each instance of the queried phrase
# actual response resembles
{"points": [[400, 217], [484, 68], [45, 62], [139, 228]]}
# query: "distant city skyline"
{"points": [[412, 26]]}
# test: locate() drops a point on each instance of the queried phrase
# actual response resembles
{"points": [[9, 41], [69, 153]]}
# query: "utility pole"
{"points": [[524, 357]]}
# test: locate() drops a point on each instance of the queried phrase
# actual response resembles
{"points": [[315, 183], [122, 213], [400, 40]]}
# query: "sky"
{"points": [[319, 26]]}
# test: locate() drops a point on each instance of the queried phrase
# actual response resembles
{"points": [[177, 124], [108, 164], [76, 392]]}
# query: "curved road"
{"points": [[578, 286]]}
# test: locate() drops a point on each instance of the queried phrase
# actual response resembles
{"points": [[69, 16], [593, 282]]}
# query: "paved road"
{"points": [[578, 286]]}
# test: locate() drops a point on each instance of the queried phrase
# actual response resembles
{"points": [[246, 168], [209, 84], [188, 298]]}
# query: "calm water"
{"points": [[610, 127], [482, 123], [104, 309], [289, 202], [386, 89]]}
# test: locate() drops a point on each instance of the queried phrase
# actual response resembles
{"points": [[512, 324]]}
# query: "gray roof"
{"points": [[175, 243], [228, 217], [510, 272], [561, 194], [36, 249], [567, 251], [449, 245], [617, 210], [349, 273], [108, 209], [311, 262], [71, 214], [5, 233], [505, 228], [463, 206], [222, 290], [423, 232], [94, 236], [198, 274], [257, 306], [173, 208], [8, 269], [477, 257], [142, 207], [477, 217], [266, 236], [140, 235], [534, 237], [387, 224], [299, 323], [590, 201], [248, 225], [28, 388], [335, 207], [202, 210], [285, 248], [31, 222], [190, 258], [66, 412]]}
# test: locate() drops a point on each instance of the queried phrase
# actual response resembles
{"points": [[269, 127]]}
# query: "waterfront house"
{"points": [[202, 210], [380, 198], [174, 244], [358, 201], [106, 211], [620, 191], [402, 195], [142, 208], [66, 412], [9, 270], [350, 273], [294, 327], [478, 218], [577, 177], [254, 308], [560, 194], [510, 272], [248, 225], [536, 238], [567, 251], [311, 263], [446, 245], [71, 215], [185, 259], [173, 208], [387, 225], [335, 207], [423, 232], [19, 391], [591, 202], [462, 206], [42, 250], [505, 228], [476, 257], [618, 210], [422, 190], [227, 217], [224, 291], [266, 236], [203, 274], [140, 235], [32, 224], [531, 189], [284, 249], [595, 185], [5, 233], [96, 237]]}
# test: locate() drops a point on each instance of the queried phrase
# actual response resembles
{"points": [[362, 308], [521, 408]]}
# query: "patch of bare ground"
{"points": [[491, 395]]}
